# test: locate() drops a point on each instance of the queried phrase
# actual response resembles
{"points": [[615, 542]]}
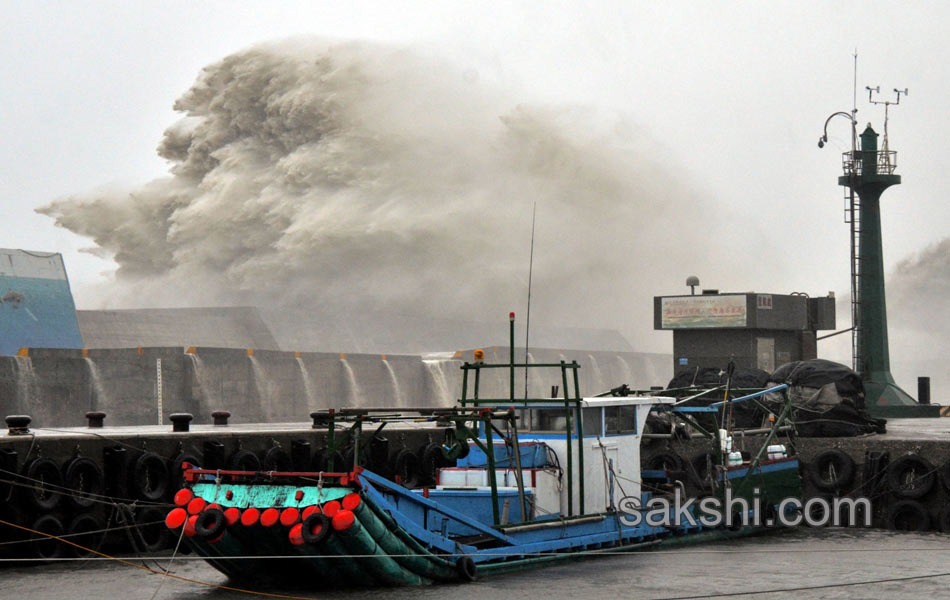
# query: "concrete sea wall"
{"points": [[57, 387]]}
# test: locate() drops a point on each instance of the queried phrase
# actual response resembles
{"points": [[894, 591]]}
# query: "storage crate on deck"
{"points": [[533, 456]]}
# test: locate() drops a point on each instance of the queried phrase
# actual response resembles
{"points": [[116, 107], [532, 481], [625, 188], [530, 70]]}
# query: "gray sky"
{"points": [[734, 94]]}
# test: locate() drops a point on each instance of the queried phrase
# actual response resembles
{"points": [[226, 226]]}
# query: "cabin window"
{"points": [[620, 419], [553, 420]]}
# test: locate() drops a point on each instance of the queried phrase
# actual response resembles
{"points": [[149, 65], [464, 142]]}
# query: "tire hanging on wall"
{"points": [[86, 481], [43, 485], [42, 546], [664, 461], [404, 466], [244, 460], [153, 534], [832, 470], [85, 529], [276, 459], [320, 460], [430, 461], [175, 472], [908, 515], [910, 476], [149, 477]]}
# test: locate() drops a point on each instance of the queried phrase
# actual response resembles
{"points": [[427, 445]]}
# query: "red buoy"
{"points": [[190, 526], [307, 512], [270, 517], [215, 505], [232, 515], [289, 516], [331, 508], [183, 496], [196, 506], [351, 501], [250, 516], [296, 534], [343, 520], [175, 518]]}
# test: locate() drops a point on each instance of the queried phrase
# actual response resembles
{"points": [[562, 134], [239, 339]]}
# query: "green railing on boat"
{"points": [[571, 405]]}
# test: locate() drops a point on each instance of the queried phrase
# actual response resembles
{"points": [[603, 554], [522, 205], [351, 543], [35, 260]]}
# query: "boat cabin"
{"points": [[563, 474]]}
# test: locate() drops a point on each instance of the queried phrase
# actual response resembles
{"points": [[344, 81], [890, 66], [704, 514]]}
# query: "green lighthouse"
{"points": [[868, 172]]}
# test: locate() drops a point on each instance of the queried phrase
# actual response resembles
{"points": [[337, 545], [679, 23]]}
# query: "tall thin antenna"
{"points": [[527, 323], [854, 104]]}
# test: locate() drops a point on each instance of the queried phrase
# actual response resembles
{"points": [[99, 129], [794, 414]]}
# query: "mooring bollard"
{"points": [[221, 417], [18, 424], [95, 418], [180, 421]]}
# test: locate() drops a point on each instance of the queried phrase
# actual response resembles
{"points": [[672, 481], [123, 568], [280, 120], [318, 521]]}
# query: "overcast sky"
{"points": [[734, 94]]}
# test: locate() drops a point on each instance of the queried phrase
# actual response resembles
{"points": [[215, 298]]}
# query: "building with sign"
{"points": [[755, 330]]}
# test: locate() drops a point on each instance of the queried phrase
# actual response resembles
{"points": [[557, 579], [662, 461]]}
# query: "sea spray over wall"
{"points": [[918, 319], [360, 176]]}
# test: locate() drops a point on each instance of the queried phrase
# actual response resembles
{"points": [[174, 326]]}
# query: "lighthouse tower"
{"points": [[869, 171]]}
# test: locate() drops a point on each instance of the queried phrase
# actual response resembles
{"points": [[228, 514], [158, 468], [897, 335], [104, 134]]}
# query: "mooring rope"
{"points": [[153, 571]]}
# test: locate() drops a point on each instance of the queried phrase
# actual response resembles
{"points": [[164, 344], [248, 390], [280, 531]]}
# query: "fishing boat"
{"points": [[521, 482]]}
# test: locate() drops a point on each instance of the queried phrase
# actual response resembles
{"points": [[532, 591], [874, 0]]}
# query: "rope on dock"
{"points": [[153, 571]]}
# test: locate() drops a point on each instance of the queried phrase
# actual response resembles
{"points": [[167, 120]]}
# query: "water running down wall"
{"points": [[57, 387]]}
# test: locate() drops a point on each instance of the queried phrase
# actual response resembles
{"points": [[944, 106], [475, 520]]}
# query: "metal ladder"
{"points": [[852, 216]]}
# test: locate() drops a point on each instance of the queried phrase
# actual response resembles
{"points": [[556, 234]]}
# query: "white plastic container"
{"points": [[735, 458], [725, 441], [452, 477], [776, 449], [476, 477]]}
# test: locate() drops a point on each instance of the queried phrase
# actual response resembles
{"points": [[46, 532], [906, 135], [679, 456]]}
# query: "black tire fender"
{"points": [[39, 473], [467, 569], [149, 476], [276, 459], [405, 467], [210, 524], [86, 529], [155, 536], [244, 460], [430, 460], [831, 470], [176, 475], [908, 515], [86, 480], [910, 476], [42, 546], [319, 461], [315, 528], [664, 461]]}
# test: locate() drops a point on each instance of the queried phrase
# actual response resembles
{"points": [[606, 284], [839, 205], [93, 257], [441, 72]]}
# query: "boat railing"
{"points": [[573, 422]]}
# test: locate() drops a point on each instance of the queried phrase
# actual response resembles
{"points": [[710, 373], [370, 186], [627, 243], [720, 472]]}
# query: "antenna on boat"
{"points": [[527, 322]]}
